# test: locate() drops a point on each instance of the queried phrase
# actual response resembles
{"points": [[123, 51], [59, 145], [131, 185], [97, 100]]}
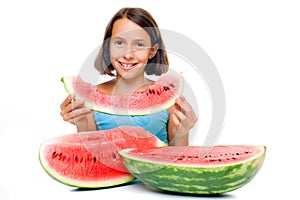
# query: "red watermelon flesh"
{"points": [[91, 159], [156, 97], [197, 155]]}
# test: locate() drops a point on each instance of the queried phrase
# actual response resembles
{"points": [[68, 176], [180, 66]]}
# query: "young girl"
{"points": [[132, 46]]}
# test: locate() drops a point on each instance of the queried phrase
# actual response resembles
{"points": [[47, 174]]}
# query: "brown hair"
{"points": [[157, 65]]}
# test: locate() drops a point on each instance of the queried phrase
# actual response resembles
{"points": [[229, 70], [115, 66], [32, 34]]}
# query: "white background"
{"points": [[255, 46]]}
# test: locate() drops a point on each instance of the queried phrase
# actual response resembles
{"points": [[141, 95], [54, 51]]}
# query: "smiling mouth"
{"points": [[127, 66]]}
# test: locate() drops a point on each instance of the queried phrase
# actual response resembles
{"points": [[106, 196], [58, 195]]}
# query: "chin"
{"points": [[131, 74], [128, 74]]}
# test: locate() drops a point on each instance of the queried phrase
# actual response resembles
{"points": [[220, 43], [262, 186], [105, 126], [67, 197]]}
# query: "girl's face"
{"points": [[130, 48]]}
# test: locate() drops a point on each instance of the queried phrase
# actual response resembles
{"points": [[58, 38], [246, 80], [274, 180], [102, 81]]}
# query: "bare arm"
{"points": [[75, 113], [182, 119]]}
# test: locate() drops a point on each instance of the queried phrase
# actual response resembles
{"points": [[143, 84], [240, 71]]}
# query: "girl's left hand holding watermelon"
{"points": [[182, 119]]}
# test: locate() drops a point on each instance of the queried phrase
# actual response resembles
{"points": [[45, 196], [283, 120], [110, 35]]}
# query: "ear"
{"points": [[153, 51]]}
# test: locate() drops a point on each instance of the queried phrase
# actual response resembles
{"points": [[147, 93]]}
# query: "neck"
{"points": [[128, 86]]}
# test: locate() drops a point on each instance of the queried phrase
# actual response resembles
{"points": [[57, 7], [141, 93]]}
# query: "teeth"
{"points": [[126, 65]]}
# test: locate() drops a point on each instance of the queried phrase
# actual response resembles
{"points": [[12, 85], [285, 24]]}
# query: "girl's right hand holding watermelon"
{"points": [[75, 113]]}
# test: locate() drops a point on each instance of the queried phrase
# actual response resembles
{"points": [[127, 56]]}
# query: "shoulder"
{"points": [[106, 87]]}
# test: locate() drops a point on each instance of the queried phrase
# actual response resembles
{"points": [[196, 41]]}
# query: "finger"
{"points": [[77, 119], [175, 120], [183, 105], [67, 101], [78, 103], [82, 118], [70, 116], [187, 109], [72, 106], [187, 121], [81, 112], [180, 116]]}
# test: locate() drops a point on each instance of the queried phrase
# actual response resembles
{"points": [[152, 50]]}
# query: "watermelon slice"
{"points": [[187, 170], [157, 97], [91, 159]]}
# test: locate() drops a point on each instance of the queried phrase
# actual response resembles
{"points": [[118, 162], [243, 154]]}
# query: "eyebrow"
{"points": [[117, 37], [121, 38]]}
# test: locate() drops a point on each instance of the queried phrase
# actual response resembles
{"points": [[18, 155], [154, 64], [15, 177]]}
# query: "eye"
{"points": [[119, 43], [140, 44]]}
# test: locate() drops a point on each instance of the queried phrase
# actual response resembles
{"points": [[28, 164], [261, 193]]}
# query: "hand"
{"points": [[74, 112], [183, 117]]}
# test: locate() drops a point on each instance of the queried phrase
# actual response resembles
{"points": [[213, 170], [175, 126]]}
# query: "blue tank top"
{"points": [[155, 123]]}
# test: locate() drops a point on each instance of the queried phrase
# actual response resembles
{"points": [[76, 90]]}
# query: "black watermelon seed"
{"points": [[54, 155]]}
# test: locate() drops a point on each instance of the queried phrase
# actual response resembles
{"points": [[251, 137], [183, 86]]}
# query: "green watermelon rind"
{"points": [[68, 82], [75, 183], [194, 179]]}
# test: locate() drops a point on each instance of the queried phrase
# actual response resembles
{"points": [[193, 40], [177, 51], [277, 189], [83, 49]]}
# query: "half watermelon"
{"points": [[91, 159], [187, 170], [156, 97]]}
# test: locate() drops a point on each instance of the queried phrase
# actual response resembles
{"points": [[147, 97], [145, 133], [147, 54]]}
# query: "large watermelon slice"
{"points": [[91, 159], [157, 97], [187, 170]]}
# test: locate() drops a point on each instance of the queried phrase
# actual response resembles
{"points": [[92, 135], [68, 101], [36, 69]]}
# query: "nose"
{"points": [[128, 55]]}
